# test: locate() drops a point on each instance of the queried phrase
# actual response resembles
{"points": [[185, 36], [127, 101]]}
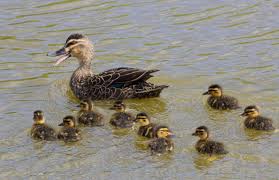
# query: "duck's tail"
{"points": [[149, 90]]}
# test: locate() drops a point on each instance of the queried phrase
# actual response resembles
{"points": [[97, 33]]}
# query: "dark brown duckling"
{"points": [[121, 118], [69, 133], [146, 127], [218, 100], [255, 121], [87, 116], [206, 146], [40, 130], [162, 142]]}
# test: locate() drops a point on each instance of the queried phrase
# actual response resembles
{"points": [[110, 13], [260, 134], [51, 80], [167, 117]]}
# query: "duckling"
{"points": [[146, 127], [121, 119], [69, 133], [39, 129], [219, 101], [87, 116], [162, 142], [116, 83], [255, 121], [206, 146]]}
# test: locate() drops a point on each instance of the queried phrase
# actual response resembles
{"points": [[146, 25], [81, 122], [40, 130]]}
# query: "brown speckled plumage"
{"points": [[255, 121], [43, 132], [259, 123], [122, 120], [210, 147], [87, 115], [91, 118], [117, 83], [162, 142], [146, 131], [205, 145], [218, 100], [69, 134], [161, 145], [223, 102]]}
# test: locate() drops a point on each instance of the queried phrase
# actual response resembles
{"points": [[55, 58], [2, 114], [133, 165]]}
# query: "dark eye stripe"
{"points": [[199, 131], [71, 43]]}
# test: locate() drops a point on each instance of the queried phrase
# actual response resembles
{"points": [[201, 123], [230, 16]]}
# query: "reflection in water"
{"points": [[203, 161], [254, 135], [141, 143], [121, 132]]}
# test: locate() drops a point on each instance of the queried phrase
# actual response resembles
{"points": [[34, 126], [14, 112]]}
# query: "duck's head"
{"points": [[214, 90], [38, 117], [68, 121], [142, 119], [118, 106], [162, 132], [86, 105], [251, 111], [202, 132], [78, 46]]}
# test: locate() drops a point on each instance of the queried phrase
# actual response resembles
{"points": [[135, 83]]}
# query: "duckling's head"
{"points": [[86, 105], [78, 46], [202, 132], [39, 117], [251, 111], [68, 121], [214, 90], [162, 132], [118, 106], [142, 119]]}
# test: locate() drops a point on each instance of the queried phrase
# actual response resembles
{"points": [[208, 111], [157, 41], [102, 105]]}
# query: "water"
{"points": [[194, 43]]}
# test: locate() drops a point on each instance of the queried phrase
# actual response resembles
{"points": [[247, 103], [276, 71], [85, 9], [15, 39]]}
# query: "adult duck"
{"points": [[117, 83]]}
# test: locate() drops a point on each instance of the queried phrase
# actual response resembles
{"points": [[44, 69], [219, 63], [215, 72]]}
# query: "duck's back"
{"points": [[70, 134], [161, 145], [259, 123], [223, 102], [122, 120], [210, 147], [90, 118], [43, 132], [146, 131], [118, 83]]}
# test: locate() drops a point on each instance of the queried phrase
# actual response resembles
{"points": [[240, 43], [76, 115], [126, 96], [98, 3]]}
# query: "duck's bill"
{"points": [[243, 114], [194, 134], [136, 120], [62, 53], [62, 124], [171, 135]]}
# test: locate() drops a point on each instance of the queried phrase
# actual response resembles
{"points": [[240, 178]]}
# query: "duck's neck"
{"points": [[83, 70]]}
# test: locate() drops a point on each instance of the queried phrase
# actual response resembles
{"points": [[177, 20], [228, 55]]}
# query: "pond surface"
{"points": [[194, 43]]}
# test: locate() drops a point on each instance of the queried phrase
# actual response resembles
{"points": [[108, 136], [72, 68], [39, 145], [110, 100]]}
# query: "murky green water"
{"points": [[194, 43]]}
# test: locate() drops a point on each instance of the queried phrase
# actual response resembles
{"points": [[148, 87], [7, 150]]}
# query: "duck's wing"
{"points": [[124, 76]]}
